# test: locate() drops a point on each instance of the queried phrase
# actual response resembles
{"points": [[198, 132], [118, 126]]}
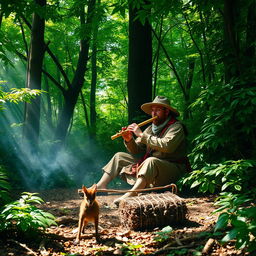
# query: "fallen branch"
{"points": [[178, 241], [167, 249], [208, 246], [172, 186], [23, 246], [181, 241]]}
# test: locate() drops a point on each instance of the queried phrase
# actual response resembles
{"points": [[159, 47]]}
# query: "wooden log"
{"points": [[152, 210], [208, 246]]}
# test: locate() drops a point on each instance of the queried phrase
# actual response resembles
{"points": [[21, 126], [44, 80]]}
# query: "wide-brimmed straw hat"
{"points": [[159, 101]]}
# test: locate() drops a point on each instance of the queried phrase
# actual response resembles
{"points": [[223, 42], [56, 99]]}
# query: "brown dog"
{"points": [[89, 211]]}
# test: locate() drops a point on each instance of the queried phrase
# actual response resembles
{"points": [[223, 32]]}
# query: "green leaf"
{"points": [[239, 223], [211, 188], [195, 183], [238, 187], [225, 186], [252, 246], [204, 187], [222, 221], [230, 235], [248, 212]]}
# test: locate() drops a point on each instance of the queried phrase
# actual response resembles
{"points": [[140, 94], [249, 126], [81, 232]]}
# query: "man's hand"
{"points": [[135, 129], [127, 135]]}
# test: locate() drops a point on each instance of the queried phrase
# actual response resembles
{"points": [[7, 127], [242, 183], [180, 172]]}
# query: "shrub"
{"points": [[238, 210], [24, 216], [227, 176], [240, 214], [227, 131]]}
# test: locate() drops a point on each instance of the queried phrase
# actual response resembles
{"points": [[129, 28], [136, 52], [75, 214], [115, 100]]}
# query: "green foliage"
{"points": [[130, 249], [21, 95], [18, 95], [18, 6], [120, 7], [238, 211], [4, 187], [240, 214], [227, 176], [24, 216], [183, 251], [164, 234], [227, 130]]}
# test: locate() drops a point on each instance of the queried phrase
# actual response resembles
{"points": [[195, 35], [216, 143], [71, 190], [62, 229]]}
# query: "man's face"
{"points": [[161, 112]]}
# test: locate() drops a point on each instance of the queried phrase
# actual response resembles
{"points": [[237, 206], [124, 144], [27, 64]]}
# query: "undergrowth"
{"points": [[233, 180], [22, 215]]}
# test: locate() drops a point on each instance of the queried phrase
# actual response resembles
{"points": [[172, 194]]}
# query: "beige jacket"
{"points": [[171, 146]]}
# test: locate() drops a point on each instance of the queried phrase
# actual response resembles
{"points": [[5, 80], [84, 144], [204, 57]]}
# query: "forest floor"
{"points": [[190, 237]]}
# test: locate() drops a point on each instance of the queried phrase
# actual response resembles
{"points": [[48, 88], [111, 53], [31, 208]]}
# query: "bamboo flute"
{"points": [[119, 134]]}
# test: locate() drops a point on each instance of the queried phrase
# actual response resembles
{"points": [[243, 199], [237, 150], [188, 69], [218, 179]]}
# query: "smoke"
{"points": [[79, 162]]}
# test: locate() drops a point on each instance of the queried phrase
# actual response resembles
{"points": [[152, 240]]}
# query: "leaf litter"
{"points": [[192, 237]]}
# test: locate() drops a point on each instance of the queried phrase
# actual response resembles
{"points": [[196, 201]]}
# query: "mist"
{"points": [[75, 164], [78, 162]]}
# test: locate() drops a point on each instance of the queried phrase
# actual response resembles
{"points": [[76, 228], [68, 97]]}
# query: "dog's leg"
{"points": [[80, 228], [96, 224]]}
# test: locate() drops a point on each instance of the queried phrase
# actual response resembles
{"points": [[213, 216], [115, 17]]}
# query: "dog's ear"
{"points": [[84, 189], [93, 188]]}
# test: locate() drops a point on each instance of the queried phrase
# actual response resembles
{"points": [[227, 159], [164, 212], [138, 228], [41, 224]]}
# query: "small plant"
{"points": [[164, 234], [130, 249], [24, 216], [240, 214]]}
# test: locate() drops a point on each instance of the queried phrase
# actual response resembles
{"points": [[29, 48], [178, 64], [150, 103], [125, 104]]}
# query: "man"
{"points": [[164, 147]]}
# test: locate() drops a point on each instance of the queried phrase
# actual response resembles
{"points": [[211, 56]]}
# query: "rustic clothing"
{"points": [[165, 161]]}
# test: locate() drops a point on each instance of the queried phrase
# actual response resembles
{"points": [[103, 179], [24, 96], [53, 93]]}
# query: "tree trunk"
{"points": [[94, 77], [209, 66], [231, 46], [86, 116], [72, 93], [250, 59], [34, 74], [139, 66], [48, 110], [188, 85], [157, 58], [1, 17]]}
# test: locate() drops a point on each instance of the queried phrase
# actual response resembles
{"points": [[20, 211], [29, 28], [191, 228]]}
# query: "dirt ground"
{"points": [[191, 237]]}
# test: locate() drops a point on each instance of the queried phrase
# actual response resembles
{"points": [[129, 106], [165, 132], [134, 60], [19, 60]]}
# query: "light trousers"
{"points": [[157, 172]]}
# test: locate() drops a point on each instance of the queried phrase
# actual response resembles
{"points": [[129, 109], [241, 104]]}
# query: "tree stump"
{"points": [[152, 210]]}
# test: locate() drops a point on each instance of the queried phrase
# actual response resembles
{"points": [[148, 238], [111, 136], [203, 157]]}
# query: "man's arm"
{"points": [[169, 142]]}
